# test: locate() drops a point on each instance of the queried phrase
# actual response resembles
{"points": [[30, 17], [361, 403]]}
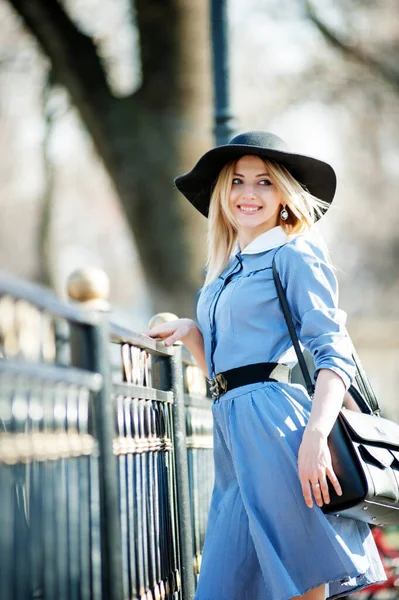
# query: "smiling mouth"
{"points": [[248, 209]]}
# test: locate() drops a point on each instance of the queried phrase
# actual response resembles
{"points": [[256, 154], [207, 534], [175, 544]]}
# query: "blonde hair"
{"points": [[301, 205]]}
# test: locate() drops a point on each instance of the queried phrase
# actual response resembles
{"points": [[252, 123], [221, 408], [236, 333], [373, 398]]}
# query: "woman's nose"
{"points": [[248, 192]]}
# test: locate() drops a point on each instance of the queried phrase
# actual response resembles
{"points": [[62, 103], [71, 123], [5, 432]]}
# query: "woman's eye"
{"points": [[265, 182]]}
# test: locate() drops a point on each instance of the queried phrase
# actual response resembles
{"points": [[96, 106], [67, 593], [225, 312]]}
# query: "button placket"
{"points": [[212, 310]]}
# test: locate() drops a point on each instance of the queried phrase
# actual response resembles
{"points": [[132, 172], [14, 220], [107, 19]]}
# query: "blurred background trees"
{"points": [[103, 103], [144, 134]]}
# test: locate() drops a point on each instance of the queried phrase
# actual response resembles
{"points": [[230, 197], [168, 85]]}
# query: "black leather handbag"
{"points": [[364, 446]]}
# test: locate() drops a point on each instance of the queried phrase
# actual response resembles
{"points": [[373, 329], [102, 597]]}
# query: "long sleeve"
{"points": [[312, 295]]}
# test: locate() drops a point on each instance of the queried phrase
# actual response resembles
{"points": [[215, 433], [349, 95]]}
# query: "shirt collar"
{"points": [[266, 241]]}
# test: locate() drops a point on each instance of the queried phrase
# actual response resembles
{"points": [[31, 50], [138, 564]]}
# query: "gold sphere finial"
{"points": [[160, 318], [90, 286]]}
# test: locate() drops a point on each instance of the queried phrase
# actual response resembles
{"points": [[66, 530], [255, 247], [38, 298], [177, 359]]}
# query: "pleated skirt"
{"points": [[262, 541]]}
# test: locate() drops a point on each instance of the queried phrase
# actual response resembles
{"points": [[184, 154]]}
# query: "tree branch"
{"points": [[74, 60], [389, 75], [48, 195], [71, 52]]}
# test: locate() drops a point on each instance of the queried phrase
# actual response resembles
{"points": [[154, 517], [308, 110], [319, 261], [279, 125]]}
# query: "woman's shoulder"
{"points": [[304, 260], [304, 247]]}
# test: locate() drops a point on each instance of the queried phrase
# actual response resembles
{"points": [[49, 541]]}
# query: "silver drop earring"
{"points": [[284, 214]]}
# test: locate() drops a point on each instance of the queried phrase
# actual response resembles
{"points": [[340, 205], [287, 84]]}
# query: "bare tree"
{"points": [[146, 138], [378, 57], [366, 43]]}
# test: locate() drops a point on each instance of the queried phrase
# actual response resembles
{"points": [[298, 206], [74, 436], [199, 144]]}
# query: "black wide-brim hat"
{"points": [[317, 176]]}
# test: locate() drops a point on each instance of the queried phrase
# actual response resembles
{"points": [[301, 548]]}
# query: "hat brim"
{"points": [[197, 185]]}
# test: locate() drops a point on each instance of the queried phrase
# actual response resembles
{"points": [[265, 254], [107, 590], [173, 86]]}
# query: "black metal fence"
{"points": [[106, 466]]}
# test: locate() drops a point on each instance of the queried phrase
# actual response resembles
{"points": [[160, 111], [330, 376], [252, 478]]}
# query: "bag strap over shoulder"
{"points": [[364, 396], [291, 328]]}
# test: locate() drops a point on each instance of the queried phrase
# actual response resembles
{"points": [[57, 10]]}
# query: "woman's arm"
{"points": [[350, 403], [186, 331], [314, 458], [327, 402], [194, 343], [312, 294]]}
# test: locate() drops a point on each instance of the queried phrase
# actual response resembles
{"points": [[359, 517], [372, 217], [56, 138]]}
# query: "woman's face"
{"points": [[255, 201]]}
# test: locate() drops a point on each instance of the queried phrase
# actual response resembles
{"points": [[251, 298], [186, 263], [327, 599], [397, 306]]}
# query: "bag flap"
{"points": [[370, 429], [382, 457]]}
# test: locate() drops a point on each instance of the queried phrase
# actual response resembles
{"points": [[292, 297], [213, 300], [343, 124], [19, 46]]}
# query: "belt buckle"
{"points": [[218, 386]]}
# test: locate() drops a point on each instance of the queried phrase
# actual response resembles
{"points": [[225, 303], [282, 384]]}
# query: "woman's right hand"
{"points": [[172, 331], [186, 331]]}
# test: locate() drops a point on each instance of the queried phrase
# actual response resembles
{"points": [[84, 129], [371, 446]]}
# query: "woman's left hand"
{"points": [[315, 468]]}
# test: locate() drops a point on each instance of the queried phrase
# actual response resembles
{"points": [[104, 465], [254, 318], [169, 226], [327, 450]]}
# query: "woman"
{"points": [[267, 537]]}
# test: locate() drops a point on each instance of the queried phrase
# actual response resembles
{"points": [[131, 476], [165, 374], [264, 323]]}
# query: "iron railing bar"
{"points": [[140, 391], [111, 540], [185, 545], [123, 501], [129, 465], [95, 530], [51, 373], [45, 299]]}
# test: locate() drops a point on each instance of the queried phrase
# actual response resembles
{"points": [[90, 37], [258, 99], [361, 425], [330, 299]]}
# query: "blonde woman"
{"points": [[267, 537]]}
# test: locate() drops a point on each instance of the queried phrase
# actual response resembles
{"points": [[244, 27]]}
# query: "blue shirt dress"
{"points": [[262, 541]]}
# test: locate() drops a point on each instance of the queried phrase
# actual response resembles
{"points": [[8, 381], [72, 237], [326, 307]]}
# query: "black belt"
{"points": [[228, 380]]}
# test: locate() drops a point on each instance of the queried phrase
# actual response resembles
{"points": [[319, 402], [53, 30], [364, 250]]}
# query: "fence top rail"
{"points": [[50, 373], [121, 335], [45, 299], [128, 390]]}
